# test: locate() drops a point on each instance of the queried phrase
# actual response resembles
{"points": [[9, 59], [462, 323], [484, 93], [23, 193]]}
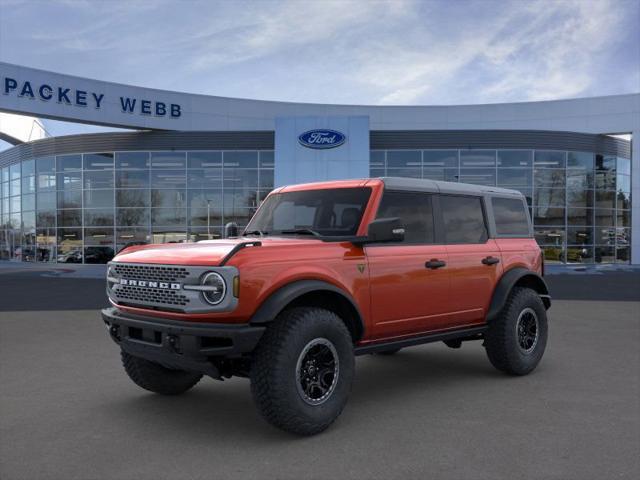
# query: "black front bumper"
{"points": [[180, 345]]}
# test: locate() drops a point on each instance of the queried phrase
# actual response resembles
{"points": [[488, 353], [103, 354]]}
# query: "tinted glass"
{"points": [[329, 212], [463, 219], [98, 161], [415, 213], [511, 216], [132, 160]]}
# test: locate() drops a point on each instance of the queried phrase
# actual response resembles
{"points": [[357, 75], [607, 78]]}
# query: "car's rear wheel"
{"points": [[156, 378], [302, 370], [517, 338]]}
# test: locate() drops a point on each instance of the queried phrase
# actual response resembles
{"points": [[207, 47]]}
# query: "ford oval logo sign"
{"points": [[322, 138]]}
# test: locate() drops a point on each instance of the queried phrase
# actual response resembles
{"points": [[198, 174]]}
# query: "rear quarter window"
{"points": [[511, 216]]}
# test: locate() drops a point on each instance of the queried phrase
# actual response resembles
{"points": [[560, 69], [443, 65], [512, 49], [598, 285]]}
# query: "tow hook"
{"points": [[114, 331], [172, 341]]}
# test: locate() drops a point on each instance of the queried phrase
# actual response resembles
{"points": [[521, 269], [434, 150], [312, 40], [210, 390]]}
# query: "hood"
{"points": [[206, 253]]}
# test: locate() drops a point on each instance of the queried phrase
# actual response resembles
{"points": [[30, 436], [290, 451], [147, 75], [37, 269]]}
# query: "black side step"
{"points": [[461, 333]]}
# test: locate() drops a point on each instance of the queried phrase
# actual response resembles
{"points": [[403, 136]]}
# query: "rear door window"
{"points": [[511, 216], [415, 212], [463, 219]]}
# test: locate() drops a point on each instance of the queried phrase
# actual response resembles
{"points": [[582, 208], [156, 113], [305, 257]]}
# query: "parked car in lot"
{"points": [[325, 272]]}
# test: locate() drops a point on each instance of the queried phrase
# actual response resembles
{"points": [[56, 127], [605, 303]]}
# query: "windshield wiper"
{"points": [[255, 232], [301, 231]]}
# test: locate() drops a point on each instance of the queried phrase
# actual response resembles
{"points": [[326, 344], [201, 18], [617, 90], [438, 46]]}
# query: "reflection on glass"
{"points": [[478, 176], [132, 160], [549, 236], [604, 254], [514, 177], [582, 160], [515, 158], [168, 160], [580, 236], [97, 161], [440, 159], [68, 162], [549, 159]]}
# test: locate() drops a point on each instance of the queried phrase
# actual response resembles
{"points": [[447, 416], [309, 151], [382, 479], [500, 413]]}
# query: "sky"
{"points": [[387, 52]]}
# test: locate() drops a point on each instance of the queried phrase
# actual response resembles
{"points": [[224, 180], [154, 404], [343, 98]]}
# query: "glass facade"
{"points": [[580, 202], [82, 208]]}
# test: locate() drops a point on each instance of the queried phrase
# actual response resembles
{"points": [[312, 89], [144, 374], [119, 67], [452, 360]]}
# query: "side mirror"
{"points": [[385, 230], [231, 230]]}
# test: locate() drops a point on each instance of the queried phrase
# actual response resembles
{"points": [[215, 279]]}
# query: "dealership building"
{"points": [[192, 163]]}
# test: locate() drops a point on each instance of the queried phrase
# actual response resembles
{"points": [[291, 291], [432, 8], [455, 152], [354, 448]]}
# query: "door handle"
{"points": [[490, 260], [435, 263]]}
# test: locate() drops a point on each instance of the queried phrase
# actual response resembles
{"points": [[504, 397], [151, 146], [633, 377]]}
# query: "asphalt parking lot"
{"points": [[67, 410]]}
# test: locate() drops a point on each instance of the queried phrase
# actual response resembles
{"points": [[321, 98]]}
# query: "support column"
{"points": [[635, 197]]}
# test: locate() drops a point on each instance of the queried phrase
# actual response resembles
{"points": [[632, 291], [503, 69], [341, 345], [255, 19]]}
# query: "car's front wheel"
{"points": [[302, 370], [516, 339]]}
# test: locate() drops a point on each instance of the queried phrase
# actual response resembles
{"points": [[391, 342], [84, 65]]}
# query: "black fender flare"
{"points": [[518, 275], [278, 300]]}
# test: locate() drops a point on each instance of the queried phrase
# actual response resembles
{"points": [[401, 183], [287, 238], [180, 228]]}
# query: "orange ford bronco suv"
{"points": [[325, 272]]}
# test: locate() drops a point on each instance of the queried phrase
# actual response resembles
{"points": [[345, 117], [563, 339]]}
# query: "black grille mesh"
{"points": [[151, 295], [151, 273]]}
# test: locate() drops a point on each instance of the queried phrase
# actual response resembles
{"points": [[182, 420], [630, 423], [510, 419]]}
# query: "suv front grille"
{"points": [[151, 273], [144, 295]]}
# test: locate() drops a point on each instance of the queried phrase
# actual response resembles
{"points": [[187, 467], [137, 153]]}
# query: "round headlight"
{"points": [[111, 278], [216, 288]]}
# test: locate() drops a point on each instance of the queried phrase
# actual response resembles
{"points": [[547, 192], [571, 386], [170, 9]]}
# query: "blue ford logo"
{"points": [[322, 138]]}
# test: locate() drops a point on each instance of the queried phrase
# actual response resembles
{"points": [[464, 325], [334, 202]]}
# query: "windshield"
{"points": [[328, 212]]}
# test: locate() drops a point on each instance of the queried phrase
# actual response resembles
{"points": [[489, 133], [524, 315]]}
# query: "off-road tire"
{"points": [[393, 351], [156, 378], [501, 339], [274, 375]]}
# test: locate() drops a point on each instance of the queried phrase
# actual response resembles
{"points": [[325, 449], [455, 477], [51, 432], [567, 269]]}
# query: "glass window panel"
{"points": [[14, 204], [266, 179], [28, 184], [202, 216], [605, 218], [440, 159], [168, 160], [69, 245], [405, 172], [29, 220], [623, 166], [580, 236], [376, 172], [127, 236], [98, 217], [14, 187], [544, 197], [4, 174], [45, 253], [138, 160], [605, 235], [98, 199], [168, 198], [404, 158], [133, 217], [623, 200], [168, 235], [623, 218], [605, 199], [583, 160], [527, 192], [580, 216], [548, 215], [511, 216], [70, 218], [234, 178], [46, 236], [198, 234], [240, 159], [604, 254], [46, 181], [69, 162], [98, 253], [46, 201], [623, 255], [549, 159], [168, 178], [98, 236], [169, 217], [46, 219], [549, 178], [550, 236], [463, 219], [477, 158], [267, 159], [241, 216], [512, 177], [579, 178], [577, 197], [605, 180], [204, 159], [29, 202], [445, 174], [45, 165], [14, 171], [132, 178], [240, 198], [478, 176], [553, 254], [70, 180], [98, 179], [205, 178], [68, 199], [605, 163], [579, 254], [15, 221], [28, 168], [376, 159], [28, 253], [133, 198], [98, 161], [623, 183]]}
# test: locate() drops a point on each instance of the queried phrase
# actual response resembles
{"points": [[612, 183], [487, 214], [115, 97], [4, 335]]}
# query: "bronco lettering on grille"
{"points": [[149, 284]]}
